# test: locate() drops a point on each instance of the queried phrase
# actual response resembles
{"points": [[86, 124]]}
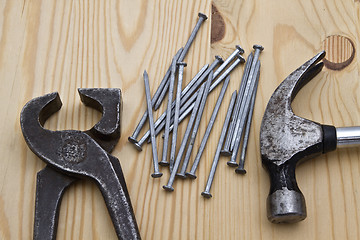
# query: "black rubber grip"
{"points": [[329, 138]]}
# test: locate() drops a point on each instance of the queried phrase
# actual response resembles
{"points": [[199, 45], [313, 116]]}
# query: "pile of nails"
{"points": [[192, 100]]}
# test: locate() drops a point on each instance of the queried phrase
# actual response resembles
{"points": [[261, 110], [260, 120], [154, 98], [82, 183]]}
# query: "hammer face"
{"points": [[286, 206]]}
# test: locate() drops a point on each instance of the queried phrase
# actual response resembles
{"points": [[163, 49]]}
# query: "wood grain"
{"points": [[48, 46]]}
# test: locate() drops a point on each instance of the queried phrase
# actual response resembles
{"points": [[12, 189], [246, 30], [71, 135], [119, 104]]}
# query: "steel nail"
{"points": [[142, 121], [152, 128], [164, 161], [195, 165], [197, 124], [181, 66], [226, 149], [206, 192], [252, 76], [162, 93], [238, 50], [159, 124], [202, 18], [240, 169], [203, 78], [169, 186], [188, 86], [245, 105]]}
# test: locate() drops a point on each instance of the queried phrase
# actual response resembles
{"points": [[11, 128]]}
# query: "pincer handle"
{"points": [[117, 199]]}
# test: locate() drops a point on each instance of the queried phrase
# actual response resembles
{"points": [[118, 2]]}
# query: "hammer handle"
{"points": [[348, 136]]}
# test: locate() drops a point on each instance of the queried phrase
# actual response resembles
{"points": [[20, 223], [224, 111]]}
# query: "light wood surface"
{"points": [[48, 46]]}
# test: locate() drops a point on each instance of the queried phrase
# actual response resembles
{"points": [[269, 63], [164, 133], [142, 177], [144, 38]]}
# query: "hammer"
{"points": [[287, 139]]}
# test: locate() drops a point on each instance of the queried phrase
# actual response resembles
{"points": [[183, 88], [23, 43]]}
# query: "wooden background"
{"points": [[48, 46]]}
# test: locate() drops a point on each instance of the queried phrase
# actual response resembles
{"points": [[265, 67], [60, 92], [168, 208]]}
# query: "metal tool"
{"points": [[169, 186], [197, 124], [206, 193], [287, 139], [156, 173], [202, 18], [240, 169], [181, 66], [164, 83], [164, 161], [226, 149], [252, 77], [205, 138], [71, 155], [244, 109], [159, 123]]}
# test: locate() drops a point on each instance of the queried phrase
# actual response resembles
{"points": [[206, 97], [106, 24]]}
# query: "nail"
{"points": [[196, 125], [181, 66], [240, 169], [184, 96], [187, 87], [206, 192], [238, 50], [208, 129], [164, 161], [203, 78], [226, 149], [169, 186], [244, 109], [159, 124], [252, 76], [152, 128], [142, 121], [202, 18]]}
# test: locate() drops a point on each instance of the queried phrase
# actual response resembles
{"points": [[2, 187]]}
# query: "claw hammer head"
{"points": [[286, 140]]}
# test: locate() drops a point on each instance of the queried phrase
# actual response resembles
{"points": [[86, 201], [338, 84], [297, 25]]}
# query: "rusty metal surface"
{"points": [[72, 154]]}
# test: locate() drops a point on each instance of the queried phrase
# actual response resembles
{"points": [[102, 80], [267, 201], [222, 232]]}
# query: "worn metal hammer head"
{"points": [[286, 140]]}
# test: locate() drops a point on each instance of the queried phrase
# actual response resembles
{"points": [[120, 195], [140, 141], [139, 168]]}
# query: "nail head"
{"points": [[132, 139], [232, 164], [241, 50], [168, 188], [190, 175], [206, 194], [156, 175], [240, 171], [257, 46], [202, 15], [219, 58]]}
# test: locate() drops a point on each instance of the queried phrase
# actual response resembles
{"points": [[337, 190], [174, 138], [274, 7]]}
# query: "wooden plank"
{"points": [[60, 46]]}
